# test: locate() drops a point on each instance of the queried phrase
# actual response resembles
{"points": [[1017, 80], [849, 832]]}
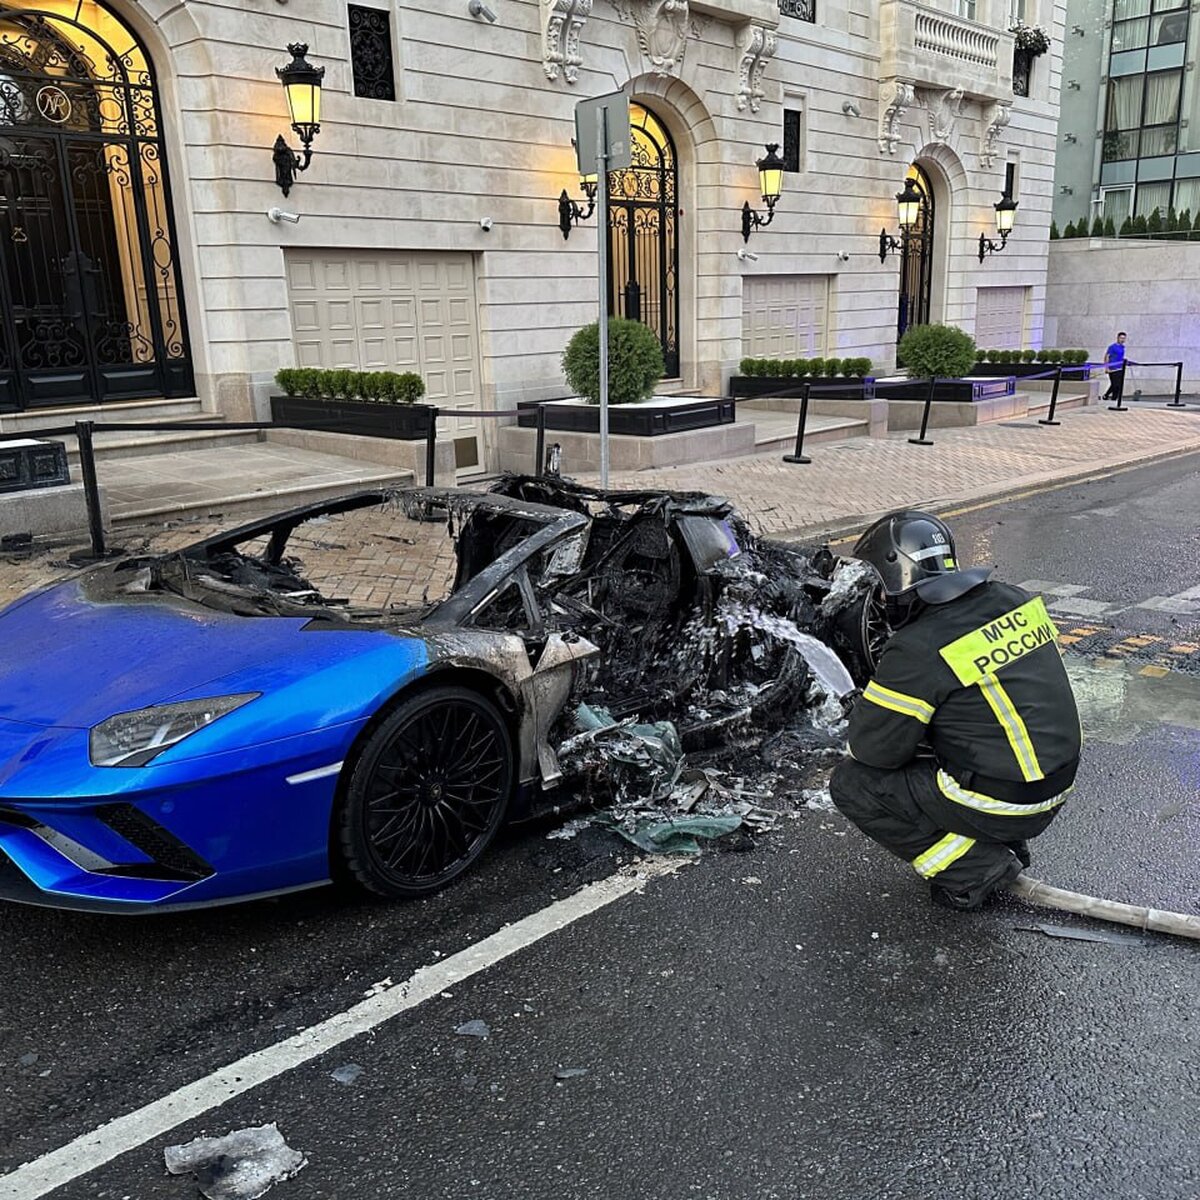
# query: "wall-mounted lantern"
{"points": [[571, 212], [302, 86], [1006, 216], [908, 206], [770, 184]]}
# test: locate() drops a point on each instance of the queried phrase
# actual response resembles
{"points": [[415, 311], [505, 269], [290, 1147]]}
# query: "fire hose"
{"points": [[1034, 891]]}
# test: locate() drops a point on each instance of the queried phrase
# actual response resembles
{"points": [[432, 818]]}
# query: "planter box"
{"points": [[957, 391], [26, 463], [1024, 370], [652, 418], [841, 387], [403, 422]]}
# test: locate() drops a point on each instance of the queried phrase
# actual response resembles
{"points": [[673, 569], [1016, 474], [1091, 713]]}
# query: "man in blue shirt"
{"points": [[1114, 364]]}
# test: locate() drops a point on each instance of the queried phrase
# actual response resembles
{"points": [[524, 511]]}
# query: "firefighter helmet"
{"points": [[914, 551]]}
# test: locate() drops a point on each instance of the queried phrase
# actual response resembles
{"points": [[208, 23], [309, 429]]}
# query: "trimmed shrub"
{"points": [[635, 362], [1140, 226], [1172, 222], [1069, 232], [1126, 227], [944, 351], [340, 384], [1110, 230], [1053, 232], [290, 380], [1029, 356], [834, 366], [1196, 228], [857, 367], [309, 382], [1043, 355], [816, 367], [748, 366], [1098, 226], [370, 385], [404, 387], [1154, 223], [802, 367]]}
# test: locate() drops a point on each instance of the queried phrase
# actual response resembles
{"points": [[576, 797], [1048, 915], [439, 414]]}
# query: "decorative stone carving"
{"points": [[756, 45], [944, 113], [663, 28], [562, 23], [895, 98], [995, 118]]}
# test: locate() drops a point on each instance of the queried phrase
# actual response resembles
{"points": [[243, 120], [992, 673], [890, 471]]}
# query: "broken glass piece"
{"points": [[347, 1073], [476, 1029], [242, 1165]]}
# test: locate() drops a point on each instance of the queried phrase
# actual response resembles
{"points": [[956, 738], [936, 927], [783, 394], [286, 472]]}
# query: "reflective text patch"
{"points": [[993, 646]]}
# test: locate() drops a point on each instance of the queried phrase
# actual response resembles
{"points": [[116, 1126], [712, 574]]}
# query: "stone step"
{"points": [[776, 431], [132, 445], [15, 424], [243, 480]]}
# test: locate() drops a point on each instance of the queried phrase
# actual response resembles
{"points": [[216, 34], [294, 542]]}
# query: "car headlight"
{"points": [[132, 739]]}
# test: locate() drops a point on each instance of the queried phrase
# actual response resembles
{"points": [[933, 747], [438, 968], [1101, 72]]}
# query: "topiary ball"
{"points": [[944, 351], [635, 362]]}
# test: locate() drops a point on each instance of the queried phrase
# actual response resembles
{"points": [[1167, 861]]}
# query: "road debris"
{"points": [[475, 1029], [569, 1073], [346, 1074], [1075, 934], [242, 1165]]}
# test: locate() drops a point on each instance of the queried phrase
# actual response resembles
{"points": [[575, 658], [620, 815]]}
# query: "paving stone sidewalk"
{"points": [[863, 477], [846, 481]]}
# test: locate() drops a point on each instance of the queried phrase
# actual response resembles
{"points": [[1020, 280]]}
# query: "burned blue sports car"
{"points": [[217, 724]]}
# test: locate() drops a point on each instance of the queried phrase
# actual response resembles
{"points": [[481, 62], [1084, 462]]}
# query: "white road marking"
{"points": [[116, 1137], [1065, 598]]}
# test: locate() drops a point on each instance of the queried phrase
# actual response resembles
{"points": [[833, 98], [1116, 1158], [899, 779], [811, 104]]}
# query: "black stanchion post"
{"points": [[91, 492], [1049, 418], [799, 456], [539, 454], [1177, 403], [923, 440], [431, 450]]}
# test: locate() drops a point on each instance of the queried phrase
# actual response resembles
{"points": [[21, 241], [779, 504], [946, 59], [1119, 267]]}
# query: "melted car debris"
{"points": [[242, 1165], [711, 673]]}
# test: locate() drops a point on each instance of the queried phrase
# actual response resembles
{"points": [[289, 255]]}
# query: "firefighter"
{"points": [[965, 743]]}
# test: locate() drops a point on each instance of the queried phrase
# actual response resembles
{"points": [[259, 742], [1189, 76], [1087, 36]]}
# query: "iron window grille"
{"points": [[801, 10], [371, 59], [793, 135]]}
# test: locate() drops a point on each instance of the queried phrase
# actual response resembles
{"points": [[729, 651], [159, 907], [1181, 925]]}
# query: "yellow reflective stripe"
{"points": [[953, 790], [1014, 728], [910, 706], [991, 647], [941, 854]]}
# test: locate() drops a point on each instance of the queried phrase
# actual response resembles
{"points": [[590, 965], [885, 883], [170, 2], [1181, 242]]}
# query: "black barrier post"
{"points": [[923, 440], [799, 456], [87, 465], [431, 450], [1049, 420], [539, 453], [1177, 403]]}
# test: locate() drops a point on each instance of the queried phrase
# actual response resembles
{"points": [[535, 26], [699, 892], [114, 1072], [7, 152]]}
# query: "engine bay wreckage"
{"points": [[624, 630], [368, 688]]}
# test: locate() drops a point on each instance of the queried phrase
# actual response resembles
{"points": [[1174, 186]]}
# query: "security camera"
{"points": [[843, 256], [275, 215], [851, 109], [477, 8], [485, 223], [747, 256]]}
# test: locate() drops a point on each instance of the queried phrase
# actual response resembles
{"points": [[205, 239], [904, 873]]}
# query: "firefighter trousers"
{"points": [[904, 810]]}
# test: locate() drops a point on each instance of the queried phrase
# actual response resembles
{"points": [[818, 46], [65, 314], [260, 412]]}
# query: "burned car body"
{"points": [[210, 725]]}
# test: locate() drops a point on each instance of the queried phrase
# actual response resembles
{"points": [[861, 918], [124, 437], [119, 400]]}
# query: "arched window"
{"points": [[89, 290]]}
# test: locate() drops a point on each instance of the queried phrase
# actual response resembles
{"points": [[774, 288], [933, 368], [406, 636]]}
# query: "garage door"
{"points": [[1000, 318], [783, 316], [383, 310]]}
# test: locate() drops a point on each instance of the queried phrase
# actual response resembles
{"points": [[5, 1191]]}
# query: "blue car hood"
{"points": [[69, 662]]}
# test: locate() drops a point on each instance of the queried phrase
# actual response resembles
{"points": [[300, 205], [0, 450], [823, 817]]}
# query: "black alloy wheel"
{"points": [[427, 793]]}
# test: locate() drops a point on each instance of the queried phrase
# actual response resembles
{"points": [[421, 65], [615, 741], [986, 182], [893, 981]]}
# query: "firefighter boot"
{"points": [[972, 898]]}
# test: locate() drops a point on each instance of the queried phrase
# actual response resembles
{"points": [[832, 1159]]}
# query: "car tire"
{"points": [[427, 793], [860, 632]]}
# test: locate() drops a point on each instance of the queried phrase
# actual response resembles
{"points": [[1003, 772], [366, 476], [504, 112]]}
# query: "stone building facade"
{"points": [[136, 177]]}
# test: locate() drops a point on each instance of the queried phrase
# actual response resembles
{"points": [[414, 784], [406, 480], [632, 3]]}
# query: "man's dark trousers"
{"points": [[1116, 385], [947, 843]]}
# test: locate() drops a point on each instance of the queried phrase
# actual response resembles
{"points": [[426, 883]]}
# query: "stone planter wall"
{"points": [[404, 422]]}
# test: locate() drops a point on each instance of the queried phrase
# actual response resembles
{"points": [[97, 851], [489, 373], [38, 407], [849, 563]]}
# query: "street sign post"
{"points": [[602, 145]]}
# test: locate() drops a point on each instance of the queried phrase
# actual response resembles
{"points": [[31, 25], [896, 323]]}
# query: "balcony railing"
{"points": [[937, 49]]}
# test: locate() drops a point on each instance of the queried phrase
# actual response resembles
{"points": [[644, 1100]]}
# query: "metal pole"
{"points": [[1049, 420], [923, 440], [431, 450], [602, 268], [87, 465], [1177, 403], [539, 459], [799, 457]]}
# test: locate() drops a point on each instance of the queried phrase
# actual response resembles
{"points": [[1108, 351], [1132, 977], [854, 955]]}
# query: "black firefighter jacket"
{"points": [[981, 681]]}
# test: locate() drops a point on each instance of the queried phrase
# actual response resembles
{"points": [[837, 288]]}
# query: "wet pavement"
{"points": [[794, 1020]]}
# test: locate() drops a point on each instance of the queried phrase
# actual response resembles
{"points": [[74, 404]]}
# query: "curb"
{"points": [[1044, 481]]}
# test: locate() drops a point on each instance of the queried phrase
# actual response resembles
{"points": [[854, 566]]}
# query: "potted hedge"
{"points": [[635, 366], [785, 376], [366, 403], [1022, 363]]}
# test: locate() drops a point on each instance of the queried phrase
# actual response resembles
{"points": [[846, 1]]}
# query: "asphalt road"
{"points": [[790, 1021]]}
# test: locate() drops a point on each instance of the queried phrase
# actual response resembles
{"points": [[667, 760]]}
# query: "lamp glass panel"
{"points": [[771, 181], [1005, 218], [304, 102]]}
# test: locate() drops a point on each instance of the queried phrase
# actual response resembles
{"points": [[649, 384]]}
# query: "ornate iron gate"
{"points": [[90, 305], [916, 260], [643, 260]]}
